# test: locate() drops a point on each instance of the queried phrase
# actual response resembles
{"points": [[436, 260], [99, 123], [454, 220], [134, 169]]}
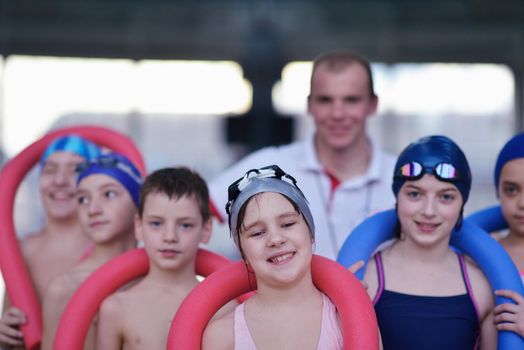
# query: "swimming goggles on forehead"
{"points": [[415, 170], [108, 162], [271, 171]]}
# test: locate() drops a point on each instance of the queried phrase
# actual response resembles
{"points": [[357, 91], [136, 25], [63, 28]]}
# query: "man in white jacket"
{"points": [[343, 172]]}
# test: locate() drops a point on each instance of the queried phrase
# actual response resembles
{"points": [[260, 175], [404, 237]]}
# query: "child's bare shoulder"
{"points": [[219, 332], [474, 272], [128, 294], [370, 278], [371, 266], [63, 286], [32, 244], [481, 288], [127, 298], [114, 305], [226, 309]]}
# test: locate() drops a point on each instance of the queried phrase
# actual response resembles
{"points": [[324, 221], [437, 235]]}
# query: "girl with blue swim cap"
{"points": [[427, 296], [509, 185], [107, 195]]}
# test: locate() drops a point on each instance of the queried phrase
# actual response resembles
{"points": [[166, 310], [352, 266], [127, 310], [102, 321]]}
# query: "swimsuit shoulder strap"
{"points": [[380, 276]]}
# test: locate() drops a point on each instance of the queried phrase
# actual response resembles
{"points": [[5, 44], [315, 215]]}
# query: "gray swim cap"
{"points": [[266, 179]]}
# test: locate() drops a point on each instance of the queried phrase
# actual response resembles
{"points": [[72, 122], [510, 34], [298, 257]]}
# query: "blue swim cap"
{"points": [[513, 149], [116, 166], [71, 143], [436, 155]]}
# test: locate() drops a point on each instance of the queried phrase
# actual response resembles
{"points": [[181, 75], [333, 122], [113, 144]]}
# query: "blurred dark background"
{"points": [[263, 36]]}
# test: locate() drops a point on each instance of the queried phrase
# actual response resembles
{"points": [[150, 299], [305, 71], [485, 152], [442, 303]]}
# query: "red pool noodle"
{"points": [[18, 283], [359, 323], [83, 306]]}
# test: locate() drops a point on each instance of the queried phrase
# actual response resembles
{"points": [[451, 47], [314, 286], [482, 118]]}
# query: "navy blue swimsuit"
{"points": [[426, 322]]}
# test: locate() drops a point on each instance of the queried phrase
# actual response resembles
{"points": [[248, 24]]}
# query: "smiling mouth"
{"points": [[169, 253], [519, 219], [97, 224], [339, 130], [281, 258], [61, 196], [426, 227]]}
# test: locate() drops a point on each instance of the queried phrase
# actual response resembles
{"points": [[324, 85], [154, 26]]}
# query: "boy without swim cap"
{"points": [[435, 155], [73, 144], [266, 179], [116, 166]]}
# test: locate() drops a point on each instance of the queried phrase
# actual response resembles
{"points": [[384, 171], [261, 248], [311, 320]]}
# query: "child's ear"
{"points": [[138, 228], [206, 231]]}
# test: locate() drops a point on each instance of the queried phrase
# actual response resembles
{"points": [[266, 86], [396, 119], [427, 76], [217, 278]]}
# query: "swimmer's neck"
{"points": [[175, 279], [61, 227], [410, 251], [106, 251], [513, 239], [347, 163], [295, 294]]}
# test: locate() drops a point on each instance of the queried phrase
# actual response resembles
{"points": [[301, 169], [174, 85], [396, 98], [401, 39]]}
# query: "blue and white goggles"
{"points": [[442, 171]]}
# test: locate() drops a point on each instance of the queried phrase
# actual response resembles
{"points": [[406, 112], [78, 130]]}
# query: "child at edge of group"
{"points": [[107, 194], [273, 228], [172, 220], [426, 295], [509, 185], [60, 243]]}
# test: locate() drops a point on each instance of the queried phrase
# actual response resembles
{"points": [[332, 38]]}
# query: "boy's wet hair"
{"points": [[176, 183]]}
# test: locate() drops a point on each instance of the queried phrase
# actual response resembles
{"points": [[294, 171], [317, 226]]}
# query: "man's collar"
{"points": [[310, 160]]}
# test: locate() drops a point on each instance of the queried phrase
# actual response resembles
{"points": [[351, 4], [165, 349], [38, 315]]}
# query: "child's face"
{"points": [[171, 230], [57, 185], [105, 208], [275, 239], [511, 194], [428, 210]]}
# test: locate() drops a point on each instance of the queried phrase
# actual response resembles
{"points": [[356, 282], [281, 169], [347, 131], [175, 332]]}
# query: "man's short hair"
{"points": [[177, 183], [337, 61]]}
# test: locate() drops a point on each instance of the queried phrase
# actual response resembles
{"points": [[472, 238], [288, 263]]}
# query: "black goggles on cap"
{"points": [[271, 171]]}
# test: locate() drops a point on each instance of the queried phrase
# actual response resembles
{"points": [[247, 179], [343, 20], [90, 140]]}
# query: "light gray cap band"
{"points": [[259, 185]]}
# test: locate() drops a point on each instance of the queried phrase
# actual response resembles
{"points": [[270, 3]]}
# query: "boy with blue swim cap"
{"points": [[421, 288], [107, 195], [60, 243]]}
